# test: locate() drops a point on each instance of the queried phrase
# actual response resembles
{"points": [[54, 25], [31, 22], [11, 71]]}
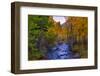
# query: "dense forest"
{"points": [[46, 37]]}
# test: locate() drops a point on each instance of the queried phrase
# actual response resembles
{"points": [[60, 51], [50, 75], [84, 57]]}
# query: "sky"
{"points": [[60, 19]]}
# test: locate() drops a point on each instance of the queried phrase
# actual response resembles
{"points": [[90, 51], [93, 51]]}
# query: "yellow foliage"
{"points": [[79, 27], [58, 30]]}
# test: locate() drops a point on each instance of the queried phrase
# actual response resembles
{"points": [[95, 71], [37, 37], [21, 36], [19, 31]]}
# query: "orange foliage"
{"points": [[76, 27], [79, 27]]}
